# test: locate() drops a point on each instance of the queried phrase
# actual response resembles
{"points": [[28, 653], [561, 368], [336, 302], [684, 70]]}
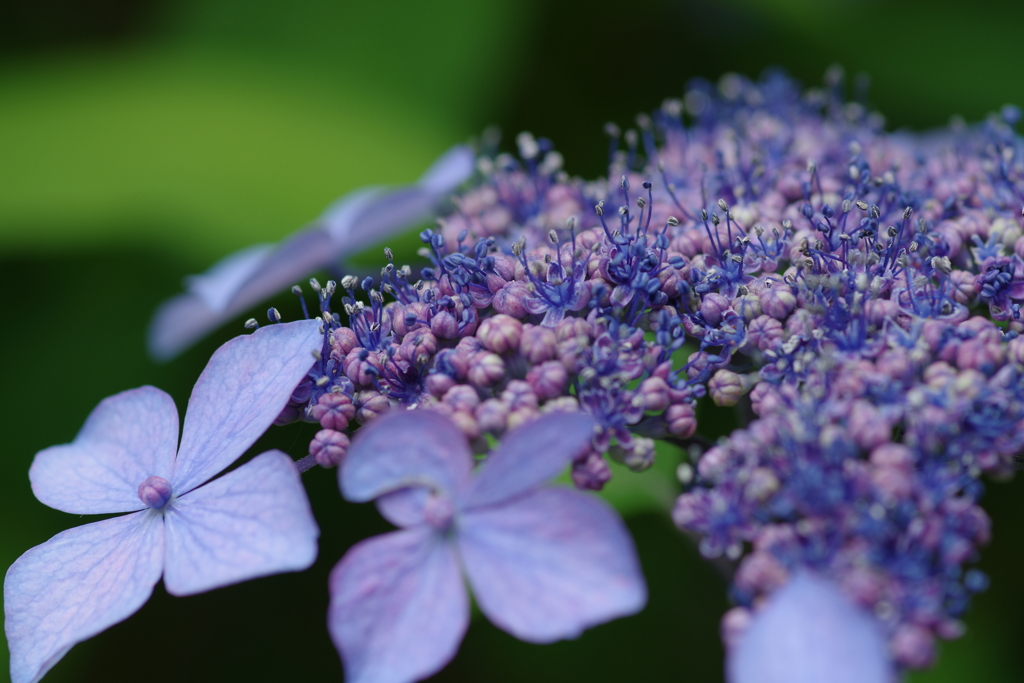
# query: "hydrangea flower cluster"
{"points": [[854, 294], [858, 290]]}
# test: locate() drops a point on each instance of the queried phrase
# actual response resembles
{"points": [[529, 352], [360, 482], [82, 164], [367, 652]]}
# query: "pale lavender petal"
{"points": [[398, 607], [178, 323], [77, 584], [404, 507], [127, 438], [243, 389], [217, 286], [253, 521], [530, 456], [452, 169], [181, 321], [810, 633], [406, 448], [358, 220], [551, 564]]}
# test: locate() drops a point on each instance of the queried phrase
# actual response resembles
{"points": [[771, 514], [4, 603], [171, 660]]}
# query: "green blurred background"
{"points": [[141, 140]]}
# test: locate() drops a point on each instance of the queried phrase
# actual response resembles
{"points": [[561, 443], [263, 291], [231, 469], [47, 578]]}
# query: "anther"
{"points": [[274, 315], [673, 221], [251, 324], [388, 254]]}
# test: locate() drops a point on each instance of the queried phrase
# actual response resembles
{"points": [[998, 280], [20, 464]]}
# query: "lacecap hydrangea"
{"points": [[854, 293]]}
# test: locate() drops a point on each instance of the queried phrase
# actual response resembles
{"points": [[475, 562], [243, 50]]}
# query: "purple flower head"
{"points": [[810, 633], [251, 522], [544, 563], [245, 278]]}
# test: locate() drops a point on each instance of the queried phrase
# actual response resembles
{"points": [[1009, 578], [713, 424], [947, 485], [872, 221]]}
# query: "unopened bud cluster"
{"points": [[860, 290]]}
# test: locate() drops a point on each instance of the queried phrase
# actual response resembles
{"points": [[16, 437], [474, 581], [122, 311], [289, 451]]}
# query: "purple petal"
{"points": [[358, 220], [530, 456], [243, 389], [251, 522], [217, 285], [551, 564], [77, 584], [404, 507], [398, 608], [126, 439], [810, 633], [406, 448]]}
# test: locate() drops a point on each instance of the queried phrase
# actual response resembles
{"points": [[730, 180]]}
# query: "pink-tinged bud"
{"points": [[500, 333], [980, 354], [548, 379], [519, 394], [466, 423], [877, 311], [444, 325], [867, 426], [761, 485], [894, 363], [462, 397], [913, 646], [342, 341], [405, 319], [892, 455], [361, 366], [713, 464], [538, 344], [725, 388], [765, 332], [511, 300], [682, 420], [591, 472], [573, 328], [963, 286], [777, 301], [521, 416], [1016, 350], [370, 404], [329, 447], [505, 267], [712, 308], [333, 411], [418, 347], [735, 623], [765, 399], [155, 492], [939, 373], [654, 394], [485, 369], [760, 572], [492, 415], [439, 383], [640, 455], [892, 483]]}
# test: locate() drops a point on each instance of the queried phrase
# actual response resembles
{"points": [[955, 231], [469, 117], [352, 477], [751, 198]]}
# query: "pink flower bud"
{"points": [[485, 369], [500, 333], [333, 411], [329, 447]]}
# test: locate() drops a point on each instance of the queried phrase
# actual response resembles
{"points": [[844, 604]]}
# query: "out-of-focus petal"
{"points": [[398, 607], [356, 221], [217, 285], [551, 564], [405, 448], [127, 438], [452, 169], [530, 456], [240, 393], [77, 584], [404, 507], [810, 633], [254, 521]]}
